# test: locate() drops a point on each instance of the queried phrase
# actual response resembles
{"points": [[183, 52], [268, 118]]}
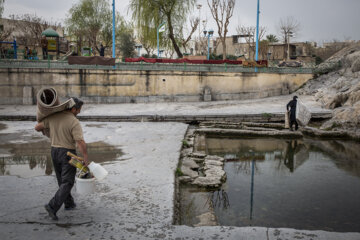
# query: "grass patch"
{"points": [[266, 115], [178, 172], [185, 144]]}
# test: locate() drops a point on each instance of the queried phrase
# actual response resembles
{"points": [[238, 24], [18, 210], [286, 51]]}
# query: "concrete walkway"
{"points": [[135, 201], [176, 111]]}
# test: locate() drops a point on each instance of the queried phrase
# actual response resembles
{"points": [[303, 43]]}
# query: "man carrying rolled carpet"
{"points": [[65, 133]]}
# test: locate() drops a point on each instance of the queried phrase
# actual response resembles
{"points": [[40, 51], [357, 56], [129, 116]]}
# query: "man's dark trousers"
{"points": [[65, 175], [293, 119]]}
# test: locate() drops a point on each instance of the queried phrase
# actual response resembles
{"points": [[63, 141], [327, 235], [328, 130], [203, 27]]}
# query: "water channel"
{"points": [[302, 184]]}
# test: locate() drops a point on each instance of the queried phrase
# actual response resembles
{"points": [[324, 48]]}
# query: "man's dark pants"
{"points": [[65, 175], [293, 120], [45, 53]]}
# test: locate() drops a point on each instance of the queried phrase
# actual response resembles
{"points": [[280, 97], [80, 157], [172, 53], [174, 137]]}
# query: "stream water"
{"points": [[301, 184]]}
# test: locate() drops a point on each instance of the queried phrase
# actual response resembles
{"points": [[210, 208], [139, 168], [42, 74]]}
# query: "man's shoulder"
{"points": [[63, 115]]}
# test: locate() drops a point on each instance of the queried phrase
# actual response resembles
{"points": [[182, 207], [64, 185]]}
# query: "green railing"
{"points": [[140, 66]]}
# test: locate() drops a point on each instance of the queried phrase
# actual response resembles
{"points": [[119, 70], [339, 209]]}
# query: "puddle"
{"points": [[301, 184], [34, 158]]}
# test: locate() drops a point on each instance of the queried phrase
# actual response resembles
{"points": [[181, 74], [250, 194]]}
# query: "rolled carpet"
{"points": [[48, 103]]}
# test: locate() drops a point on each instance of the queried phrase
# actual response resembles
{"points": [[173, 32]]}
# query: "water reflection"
{"points": [[34, 158], [218, 199], [302, 184], [289, 155]]}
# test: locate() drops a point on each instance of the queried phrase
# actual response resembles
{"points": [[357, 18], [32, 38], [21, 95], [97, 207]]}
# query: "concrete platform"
{"points": [[255, 110]]}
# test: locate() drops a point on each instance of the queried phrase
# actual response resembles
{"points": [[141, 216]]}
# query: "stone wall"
{"points": [[19, 86]]}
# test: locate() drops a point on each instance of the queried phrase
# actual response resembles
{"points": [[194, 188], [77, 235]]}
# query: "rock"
{"points": [[353, 98], [356, 66], [216, 173], [339, 88], [198, 155], [189, 162], [207, 181], [214, 162], [189, 172], [186, 152], [213, 157], [338, 100], [198, 160], [185, 179]]}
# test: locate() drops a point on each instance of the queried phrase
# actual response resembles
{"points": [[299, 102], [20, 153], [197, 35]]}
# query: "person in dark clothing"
{"points": [[292, 107], [44, 46], [65, 134], [102, 50]]}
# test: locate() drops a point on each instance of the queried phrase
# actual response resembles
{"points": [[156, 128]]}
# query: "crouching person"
{"points": [[65, 133]]}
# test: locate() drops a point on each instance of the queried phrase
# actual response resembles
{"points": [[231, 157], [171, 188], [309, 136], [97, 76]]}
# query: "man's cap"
{"points": [[77, 103]]}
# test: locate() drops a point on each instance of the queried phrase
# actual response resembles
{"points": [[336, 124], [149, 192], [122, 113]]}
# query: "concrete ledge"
{"points": [[270, 118]]}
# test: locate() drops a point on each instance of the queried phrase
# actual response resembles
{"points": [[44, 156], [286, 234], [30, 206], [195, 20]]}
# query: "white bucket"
{"points": [[85, 186], [97, 170]]}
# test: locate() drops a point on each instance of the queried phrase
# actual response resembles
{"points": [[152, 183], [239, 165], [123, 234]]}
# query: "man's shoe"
{"points": [[72, 207], [51, 212]]}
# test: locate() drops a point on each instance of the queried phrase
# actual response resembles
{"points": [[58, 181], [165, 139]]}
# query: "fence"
{"points": [[8, 63]]}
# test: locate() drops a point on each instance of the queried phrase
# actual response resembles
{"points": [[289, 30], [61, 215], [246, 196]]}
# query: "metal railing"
{"points": [[140, 66]]}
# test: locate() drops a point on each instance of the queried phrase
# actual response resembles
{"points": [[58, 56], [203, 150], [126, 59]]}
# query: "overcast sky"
{"points": [[320, 20]]}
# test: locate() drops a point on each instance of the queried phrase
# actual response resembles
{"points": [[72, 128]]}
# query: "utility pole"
{"points": [[257, 33], [113, 31]]}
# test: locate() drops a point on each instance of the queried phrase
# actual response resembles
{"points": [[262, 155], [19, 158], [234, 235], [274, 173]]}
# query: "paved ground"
{"points": [[135, 201], [251, 106]]}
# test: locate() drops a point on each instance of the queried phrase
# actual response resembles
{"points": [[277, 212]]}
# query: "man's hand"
{"points": [[82, 146], [39, 127]]}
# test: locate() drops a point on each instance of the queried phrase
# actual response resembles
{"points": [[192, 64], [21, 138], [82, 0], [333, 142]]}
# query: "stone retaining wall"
{"points": [[20, 85]]}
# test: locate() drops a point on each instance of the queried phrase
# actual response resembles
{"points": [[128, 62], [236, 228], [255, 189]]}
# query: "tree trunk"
{"points": [[172, 38], [224, 48]]}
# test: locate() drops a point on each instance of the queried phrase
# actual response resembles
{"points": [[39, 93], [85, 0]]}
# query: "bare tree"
{"points": [[288, 27], [222, 11], [194, 22], [249, 34], [2, 2], [31, 26]]}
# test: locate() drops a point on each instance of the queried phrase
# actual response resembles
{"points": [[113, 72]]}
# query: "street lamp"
{"points": [[209, 34]]}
